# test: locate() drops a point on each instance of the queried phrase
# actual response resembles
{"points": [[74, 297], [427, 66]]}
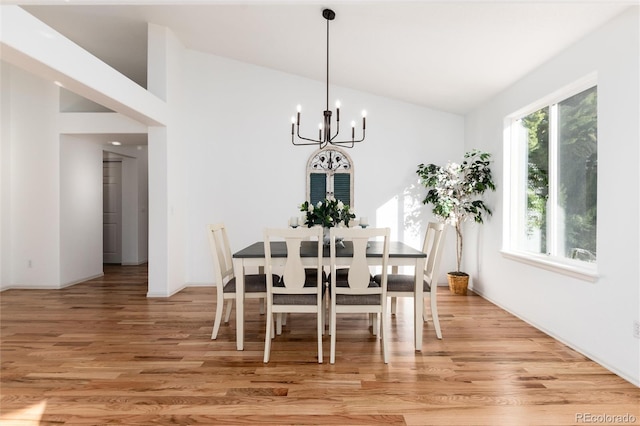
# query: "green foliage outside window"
{"points": [[577, 173]]}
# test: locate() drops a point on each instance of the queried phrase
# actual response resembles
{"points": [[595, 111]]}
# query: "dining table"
{"points": [[400, 254]]}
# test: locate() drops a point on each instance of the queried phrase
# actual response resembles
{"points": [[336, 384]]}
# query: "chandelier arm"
{"points": [[315, 141], [352, 142], [337, 131], [311, 141]]}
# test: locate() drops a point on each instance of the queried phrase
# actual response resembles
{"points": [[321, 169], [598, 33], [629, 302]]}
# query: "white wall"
{"points": [[30, 190], [143, 205], [167, 176], [5, 175], [595, 318], [80, 209], [51, 191], [243, 171]]}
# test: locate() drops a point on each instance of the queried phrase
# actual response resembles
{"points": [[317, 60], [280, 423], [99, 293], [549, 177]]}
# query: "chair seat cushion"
{"points": [[253, 283], [401, 282], [295, 299], [358, 299]]}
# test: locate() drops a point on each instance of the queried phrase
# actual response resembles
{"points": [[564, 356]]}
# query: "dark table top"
{"points": [[309, 249]]}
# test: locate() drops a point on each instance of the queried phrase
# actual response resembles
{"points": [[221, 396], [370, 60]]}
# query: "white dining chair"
{"points": [[357, 292], [255, 284], [403, 285], [297, 290]]}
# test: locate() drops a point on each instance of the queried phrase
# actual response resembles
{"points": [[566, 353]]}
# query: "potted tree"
{"points": [[455, 191]]}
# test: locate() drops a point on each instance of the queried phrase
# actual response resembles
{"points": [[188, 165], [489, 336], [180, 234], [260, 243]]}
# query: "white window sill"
{"points": [[580, 270]]}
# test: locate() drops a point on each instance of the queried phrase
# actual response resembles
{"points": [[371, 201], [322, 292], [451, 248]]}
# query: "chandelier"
{"points": [[325, 136]]}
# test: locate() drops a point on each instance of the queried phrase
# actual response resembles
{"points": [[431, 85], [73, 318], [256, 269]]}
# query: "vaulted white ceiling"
{"points": [[450, 56]]}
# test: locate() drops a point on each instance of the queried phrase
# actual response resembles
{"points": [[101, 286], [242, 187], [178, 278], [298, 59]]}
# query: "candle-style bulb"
{"points": [[299, 108], [338, 103]]}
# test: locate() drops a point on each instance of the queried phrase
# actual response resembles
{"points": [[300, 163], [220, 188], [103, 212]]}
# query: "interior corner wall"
{"points": [[143, 205], [167, 176], [5, 176], [81, 182], [596, 318], [30, 197]]}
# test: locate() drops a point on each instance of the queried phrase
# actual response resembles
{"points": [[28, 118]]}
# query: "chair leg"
{"points": [[434, 315], [373, 322], [263, 304], [218, 319], [394, 302], [268, 336], [273, 326], [327, 315], [227, 314], [323, 315], [320, 331], [332, 332], [383, 339], [279, 323]]}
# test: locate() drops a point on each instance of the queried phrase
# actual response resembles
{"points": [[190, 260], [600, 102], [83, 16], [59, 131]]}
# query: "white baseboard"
{"points": [[633, 380], [200, 284], [69, 284], [142, 262]]}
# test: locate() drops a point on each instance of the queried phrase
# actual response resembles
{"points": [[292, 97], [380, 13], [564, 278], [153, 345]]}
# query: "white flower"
{"points": [[310, 208], [340, 205]]}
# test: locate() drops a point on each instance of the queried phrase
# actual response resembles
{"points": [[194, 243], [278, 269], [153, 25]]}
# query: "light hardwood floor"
{"points": [[101, 353]]}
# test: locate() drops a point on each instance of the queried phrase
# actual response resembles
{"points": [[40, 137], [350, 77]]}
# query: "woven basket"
{"points": [[458, 284]]}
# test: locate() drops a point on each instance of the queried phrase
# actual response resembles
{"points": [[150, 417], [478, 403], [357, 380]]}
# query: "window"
{"points": [[552, 153], [330, 174]]}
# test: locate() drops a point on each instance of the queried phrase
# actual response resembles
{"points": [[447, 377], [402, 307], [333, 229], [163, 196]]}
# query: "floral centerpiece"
{"points": [[326, 213]]}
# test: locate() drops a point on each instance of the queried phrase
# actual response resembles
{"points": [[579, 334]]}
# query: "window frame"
{"points": [[513, 181]]}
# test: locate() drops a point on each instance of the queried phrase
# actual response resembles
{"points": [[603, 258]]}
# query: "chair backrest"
{"points": [[293, 273], [359, 276], [432, 247], [221, 253]]}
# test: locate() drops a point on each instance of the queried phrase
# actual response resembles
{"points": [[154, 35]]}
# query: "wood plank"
{"points": [[101, 352]]}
